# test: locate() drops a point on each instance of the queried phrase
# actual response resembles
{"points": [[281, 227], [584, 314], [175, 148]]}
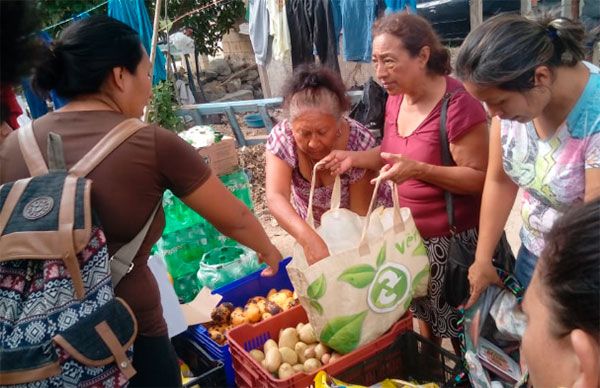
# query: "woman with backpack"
{"points": [[100, 65]]}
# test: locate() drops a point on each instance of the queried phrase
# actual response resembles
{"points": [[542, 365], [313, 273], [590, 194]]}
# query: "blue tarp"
{"points": [[134, 14]]}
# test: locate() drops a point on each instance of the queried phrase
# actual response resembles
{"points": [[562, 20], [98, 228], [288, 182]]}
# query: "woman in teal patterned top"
{"points": [[545, 136]]}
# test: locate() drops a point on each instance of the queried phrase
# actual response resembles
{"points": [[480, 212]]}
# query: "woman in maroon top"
{"points": [[413, 67]]}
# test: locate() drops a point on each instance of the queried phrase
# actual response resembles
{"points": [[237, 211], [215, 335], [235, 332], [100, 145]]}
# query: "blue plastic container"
{"points": [[238, 294], [254, 121]]}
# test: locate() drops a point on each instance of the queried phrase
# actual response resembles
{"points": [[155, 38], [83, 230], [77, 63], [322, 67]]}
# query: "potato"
{"points": [[252, 312], [325, 358], [278, 298], [335, 356], [285, 371], [311, 365], [300, 348], [286, 292], [289, 303], [299, 326], [298, 367], [270, 344], [307, 334], [320, 350], [238, 317], [288, 338], [310, 352], [266, 316], [272, 359], [257, 355], [288, 355]]}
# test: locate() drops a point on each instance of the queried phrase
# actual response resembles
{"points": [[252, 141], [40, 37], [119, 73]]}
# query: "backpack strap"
{"points": [[31, 151], [56, 157], [106, 145], [121, 263]]}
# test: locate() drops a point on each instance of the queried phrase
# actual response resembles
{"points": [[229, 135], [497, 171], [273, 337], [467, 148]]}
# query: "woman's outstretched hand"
{"points": [[337, 162]]}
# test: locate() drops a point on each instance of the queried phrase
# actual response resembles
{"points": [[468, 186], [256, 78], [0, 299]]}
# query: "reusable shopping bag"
{"points": [[377, 265]]}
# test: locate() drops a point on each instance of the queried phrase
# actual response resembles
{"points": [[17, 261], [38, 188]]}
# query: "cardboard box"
{"points": [[222, 157]]}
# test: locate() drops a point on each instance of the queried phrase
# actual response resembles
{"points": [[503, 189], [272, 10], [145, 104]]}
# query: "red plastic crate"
{"points": [[249, 373]]}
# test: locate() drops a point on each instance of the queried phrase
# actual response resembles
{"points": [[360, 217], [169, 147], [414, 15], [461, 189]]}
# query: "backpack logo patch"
{"points": [[38, 208]]}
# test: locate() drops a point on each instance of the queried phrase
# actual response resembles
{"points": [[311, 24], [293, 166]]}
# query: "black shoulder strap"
{"points": [[446, 158]]}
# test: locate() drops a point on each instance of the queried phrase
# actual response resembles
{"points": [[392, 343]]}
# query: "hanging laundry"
{"points": [[312, 26], [134, 14], [357, 20], [400, 5], [259, 30], [279, 29], [336, 10], [37, 106]]}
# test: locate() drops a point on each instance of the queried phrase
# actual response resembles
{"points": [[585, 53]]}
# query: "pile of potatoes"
{"points": [[258, 308], [297, 350]]}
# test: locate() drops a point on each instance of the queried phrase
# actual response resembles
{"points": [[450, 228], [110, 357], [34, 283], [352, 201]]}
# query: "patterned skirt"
{"points": [[433, 308]]}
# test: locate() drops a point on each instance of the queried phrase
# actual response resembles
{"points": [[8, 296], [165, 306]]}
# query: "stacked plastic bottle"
{"points": [[196, 254]]}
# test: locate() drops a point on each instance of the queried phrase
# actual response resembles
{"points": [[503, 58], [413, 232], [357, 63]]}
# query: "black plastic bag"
{"points": [[370, 111]]}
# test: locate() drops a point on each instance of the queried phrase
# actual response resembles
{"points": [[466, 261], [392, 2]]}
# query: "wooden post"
{"points": [[575, 9], [153, 46], [525, 7], [475, 13], [264, 81], [565, 8]]}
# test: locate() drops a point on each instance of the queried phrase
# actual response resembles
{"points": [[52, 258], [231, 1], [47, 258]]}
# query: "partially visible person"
{"points": [[100, 65], [545, 134], [315, 104], [413, 67], [18, 53], [561, 345]]}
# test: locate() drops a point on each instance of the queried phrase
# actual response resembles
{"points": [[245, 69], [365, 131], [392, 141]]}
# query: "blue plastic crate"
{"points": [[238, 294]]}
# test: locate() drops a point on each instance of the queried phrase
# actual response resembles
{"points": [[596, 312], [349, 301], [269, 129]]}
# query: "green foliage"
{"points": [[209, 24], [54, 11], [213, 20], [163, 107]]}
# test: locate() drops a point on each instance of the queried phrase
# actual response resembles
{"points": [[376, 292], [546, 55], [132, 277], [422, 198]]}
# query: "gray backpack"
{"points": [[60, 323]]}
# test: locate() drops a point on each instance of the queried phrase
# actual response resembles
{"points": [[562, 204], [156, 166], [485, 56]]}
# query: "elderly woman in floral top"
{"points": [[315, 104]]}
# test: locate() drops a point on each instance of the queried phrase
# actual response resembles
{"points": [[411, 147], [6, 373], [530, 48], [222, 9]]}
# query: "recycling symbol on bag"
{"points": [[391, 286]]}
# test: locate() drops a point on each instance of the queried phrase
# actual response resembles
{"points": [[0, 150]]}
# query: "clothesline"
{"points": [[205, 6], [74, 17]]}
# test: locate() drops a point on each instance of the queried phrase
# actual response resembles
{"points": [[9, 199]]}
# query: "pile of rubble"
{"points": [[231, 80]]}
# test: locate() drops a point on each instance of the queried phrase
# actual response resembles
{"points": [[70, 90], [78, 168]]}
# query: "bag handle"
{"points": [[335, 204], [447, 160], [336, 195], [113, 139], [363, 246]]}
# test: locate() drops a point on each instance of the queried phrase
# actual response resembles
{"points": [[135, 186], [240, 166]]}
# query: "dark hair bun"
{"points": [[49, 72], [84, 55]]}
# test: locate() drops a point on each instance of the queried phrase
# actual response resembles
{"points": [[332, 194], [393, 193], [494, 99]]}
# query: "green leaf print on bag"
{"points": [[381, 256], [420, 250], [421, 282], [343, 333], [317, 306], [359, 276], [317, 288]]}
